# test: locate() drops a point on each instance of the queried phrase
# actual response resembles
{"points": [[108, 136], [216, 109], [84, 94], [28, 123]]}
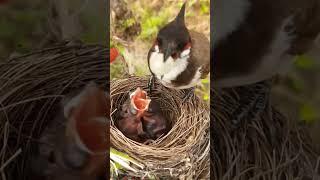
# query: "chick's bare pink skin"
{"points": [[77, 137], [153, 123], [132, 111], [140, 101]]}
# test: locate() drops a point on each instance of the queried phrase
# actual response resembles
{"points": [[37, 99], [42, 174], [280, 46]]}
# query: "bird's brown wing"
{"points": [[201, 51]]}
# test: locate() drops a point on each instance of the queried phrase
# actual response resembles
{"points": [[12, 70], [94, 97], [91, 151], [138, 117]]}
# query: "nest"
{"points": [[31, 87], [265, 145], [184, 151]]}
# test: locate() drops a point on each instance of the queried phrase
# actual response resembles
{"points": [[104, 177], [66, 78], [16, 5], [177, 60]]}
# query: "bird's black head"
{"points": [[174, 37]]}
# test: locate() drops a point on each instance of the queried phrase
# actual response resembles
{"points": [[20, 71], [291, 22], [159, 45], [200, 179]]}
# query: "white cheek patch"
{"points": [[177, 67], [185, 53], [158, 66]]}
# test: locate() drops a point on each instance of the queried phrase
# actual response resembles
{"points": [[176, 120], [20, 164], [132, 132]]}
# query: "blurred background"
{"points": [[297, 95], [26, 25], [134, 27]]}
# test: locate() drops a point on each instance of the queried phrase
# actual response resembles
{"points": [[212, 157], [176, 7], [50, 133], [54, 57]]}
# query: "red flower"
{"points": [[114, 53]]}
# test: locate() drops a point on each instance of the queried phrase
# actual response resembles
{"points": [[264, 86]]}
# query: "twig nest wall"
{"points": [[265, 145], [184, 150], [31, 88]]}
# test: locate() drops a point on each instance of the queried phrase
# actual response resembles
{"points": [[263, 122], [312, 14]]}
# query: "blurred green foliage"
{"points": [[21, 27], [308, 112], [117, 70], [95, 29], [152, 20], [300, 84], [295, 84], [204, 90], [128, 22], [25, 26], [305, 62], [151, 23]]}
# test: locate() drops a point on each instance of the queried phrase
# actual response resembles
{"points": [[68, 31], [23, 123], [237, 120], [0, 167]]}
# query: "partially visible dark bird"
{"points": [[75, 144], [179, 58], [256, 40], [154, 122]]}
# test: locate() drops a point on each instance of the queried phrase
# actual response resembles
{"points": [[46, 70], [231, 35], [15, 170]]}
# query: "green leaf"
{"points": [[114, 151], [123, 155], [206, 97], [205, 9], [128, 22], [205, 81], [151, 22]]}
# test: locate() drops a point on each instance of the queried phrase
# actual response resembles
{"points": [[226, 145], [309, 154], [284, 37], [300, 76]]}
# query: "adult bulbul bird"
{"points": [[179, 58], [254, 40]]}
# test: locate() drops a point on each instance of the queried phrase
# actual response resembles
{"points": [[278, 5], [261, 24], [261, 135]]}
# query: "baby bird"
{"points": [[75, 145], [154, 123], [132, 111]]}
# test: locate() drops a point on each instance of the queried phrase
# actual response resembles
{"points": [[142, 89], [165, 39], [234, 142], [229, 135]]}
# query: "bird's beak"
{"points": [[166, 54], [168, 51], [139, 100]]}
